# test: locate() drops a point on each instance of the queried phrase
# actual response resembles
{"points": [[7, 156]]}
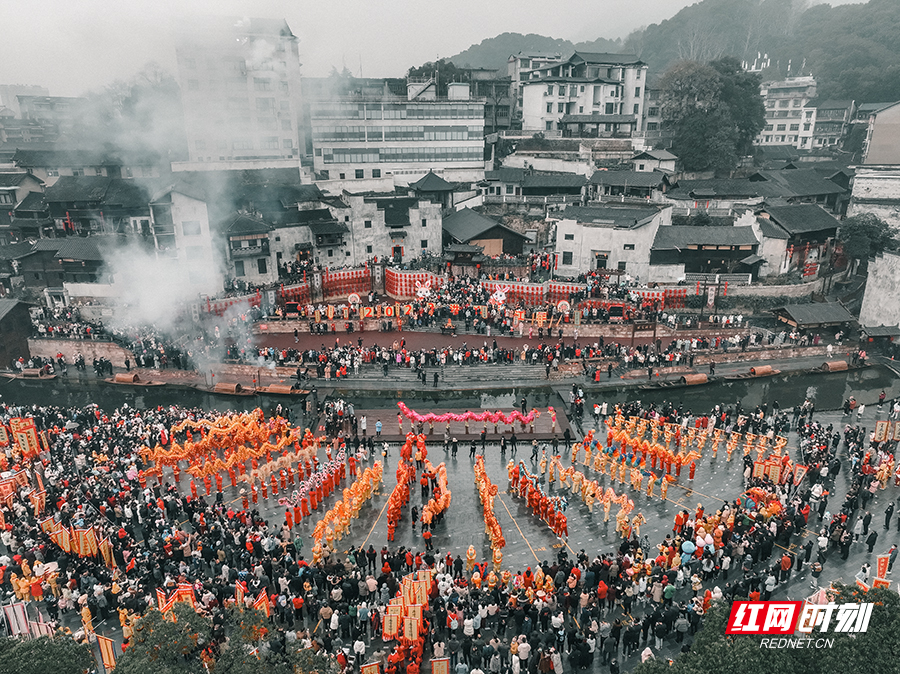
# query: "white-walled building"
{"points": [[522, 67], [785, 115], [240, 89], [611, 236], [586, 95], [365, 138], [181, 232], [881, 302]]}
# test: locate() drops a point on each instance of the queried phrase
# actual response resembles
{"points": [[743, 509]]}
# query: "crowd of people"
{"points": [[558, 615]]}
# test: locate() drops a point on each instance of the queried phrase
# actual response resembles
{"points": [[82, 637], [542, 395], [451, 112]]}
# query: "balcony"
{"points": [[250, 251]]}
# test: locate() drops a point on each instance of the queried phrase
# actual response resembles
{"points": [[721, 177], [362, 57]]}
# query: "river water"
{"points": [[826, 390]]}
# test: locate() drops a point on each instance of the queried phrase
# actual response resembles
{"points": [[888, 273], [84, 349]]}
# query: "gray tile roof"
{"points": [[816, 313], [466, 224], [676, 237], [627, 178], [802, 218], [628, 217]]}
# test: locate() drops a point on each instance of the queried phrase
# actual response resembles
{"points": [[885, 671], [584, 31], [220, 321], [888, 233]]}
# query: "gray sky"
{"points": [[71, 46]]}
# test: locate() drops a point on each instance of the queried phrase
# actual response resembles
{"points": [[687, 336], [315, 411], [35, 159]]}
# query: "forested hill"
{"points": [[494, 51], [852, 50]]}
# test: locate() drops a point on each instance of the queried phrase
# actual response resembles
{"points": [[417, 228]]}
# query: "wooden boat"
{"points": [[757, 371], [833, 366], [30, 373], [132, 379], [229, 389], [681, 382], [283, 390]]}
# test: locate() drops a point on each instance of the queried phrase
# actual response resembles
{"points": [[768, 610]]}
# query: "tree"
{"points": [[443, 71], [866, 235], [715, 112], [60, 655], [166, 647], [876, 650]]}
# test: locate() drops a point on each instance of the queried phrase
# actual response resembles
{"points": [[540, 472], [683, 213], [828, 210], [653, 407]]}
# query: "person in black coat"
{"points": [[871, 540]]}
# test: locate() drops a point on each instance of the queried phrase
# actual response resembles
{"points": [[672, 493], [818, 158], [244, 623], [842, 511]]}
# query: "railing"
{"points": [[732, 279], [536, 200]]}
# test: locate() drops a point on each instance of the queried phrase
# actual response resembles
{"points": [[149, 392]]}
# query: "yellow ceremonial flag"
{"points": [[107, 652]]}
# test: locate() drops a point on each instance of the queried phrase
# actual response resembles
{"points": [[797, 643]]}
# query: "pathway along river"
{"points": [[827, 390]]}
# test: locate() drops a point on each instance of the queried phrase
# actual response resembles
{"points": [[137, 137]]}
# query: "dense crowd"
{"points": [[563, 613]]}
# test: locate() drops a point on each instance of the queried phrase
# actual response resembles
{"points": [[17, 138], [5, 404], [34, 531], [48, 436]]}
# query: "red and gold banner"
{"points": [[390, 625], [896, 434], [262, 603], [759, 468], [881, 566], [371, 668], [881, 582], [106, 551], [774, 472], [107, 652], [411, 628], [440, 666], [4, 436]]}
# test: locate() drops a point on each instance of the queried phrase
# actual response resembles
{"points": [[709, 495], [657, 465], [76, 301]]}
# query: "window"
{"points": [[360, 173], [640, 167], [780, 127], [342, 176], [190, 228], [269, 143], [318, 152], [367, 224], [548, 126], [52, 172], [262, 265], [769, 127], [549, 89], [424, 243], [238, 267], [573, 91], [628, 246], [287, 144], [560, 107], [806, 127], [331, 252], [652, 126], [637, 92], [653, 112], [265, 104], [78, 172], [368, 250], [376, 173], [569, 237], [795, 127], [637, 108], [241, 144], [610, 108], [580, 109], [550, 107], [637, 75], [509, 189], [567, 258], [424, 222], [622, 266], [5, 198]]}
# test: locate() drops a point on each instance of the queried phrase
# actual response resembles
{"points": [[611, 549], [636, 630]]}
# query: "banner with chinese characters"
{"points": [[440, 666], [881, 566], [881, 431], [390, 626]]}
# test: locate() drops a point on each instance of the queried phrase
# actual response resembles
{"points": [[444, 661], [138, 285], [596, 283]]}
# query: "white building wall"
{"points": [[881, 302]]}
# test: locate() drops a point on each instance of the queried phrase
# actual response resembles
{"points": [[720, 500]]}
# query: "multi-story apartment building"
{"points": [[586, 95], [364, 137], [830, 122], [240, 89], [786, 118], [522, 67]]}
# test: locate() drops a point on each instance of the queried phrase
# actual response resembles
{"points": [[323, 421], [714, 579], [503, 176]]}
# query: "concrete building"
{"points": [[830, 123], [876, 190], [363, 138], [184, 238], [521, 68], [240, 89], [784, 101], [607, 237], [881, 302], [9, 94], [654, 160], [587, 95]]}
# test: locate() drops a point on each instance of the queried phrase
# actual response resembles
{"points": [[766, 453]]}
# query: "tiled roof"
{"points": [[80, 248], [770, 230], [33, 202], [627, 178], [628, 217], [816, 313], [465, 225], [661, 155], [12, 179], [675, 237], [6, 306], [332, 227], [802, 218], [554, 180], [244, 224], [99, 189], [14, 251], [54, 158], [602, 58], [431, 182], [506, 175]]}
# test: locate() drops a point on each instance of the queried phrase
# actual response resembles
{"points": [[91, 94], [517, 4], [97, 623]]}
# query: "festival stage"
{"points": [[543, 429]]}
